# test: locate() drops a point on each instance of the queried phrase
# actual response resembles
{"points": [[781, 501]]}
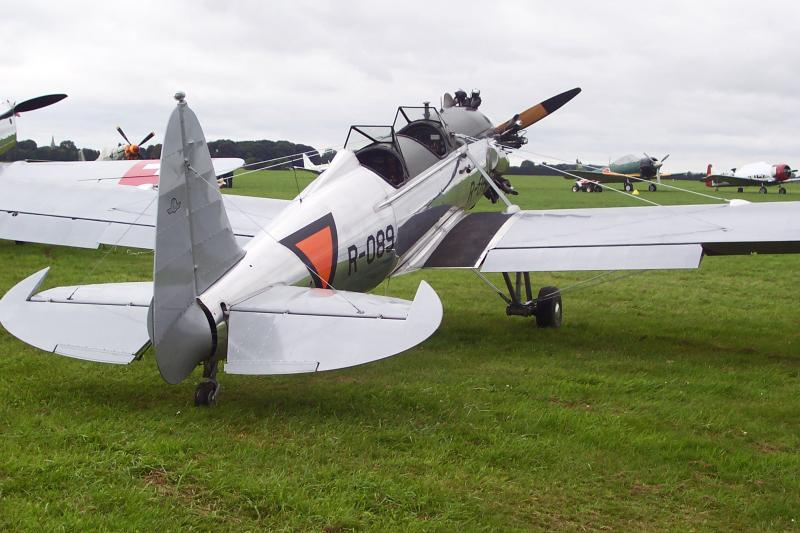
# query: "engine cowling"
{"points": [[782, 171]]}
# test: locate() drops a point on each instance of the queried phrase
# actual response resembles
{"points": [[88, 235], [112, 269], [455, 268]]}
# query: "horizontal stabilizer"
{"points": [[103, 323], [288, 330]]}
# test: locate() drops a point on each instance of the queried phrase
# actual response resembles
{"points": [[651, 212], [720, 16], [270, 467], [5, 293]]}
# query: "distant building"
{"points": [[53, 142]]}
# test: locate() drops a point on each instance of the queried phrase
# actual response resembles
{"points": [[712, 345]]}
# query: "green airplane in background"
{"points": [[8, 128], [625, 170]]}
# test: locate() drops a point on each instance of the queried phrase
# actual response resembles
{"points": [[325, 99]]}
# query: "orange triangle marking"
{"points": [[318, 248]]}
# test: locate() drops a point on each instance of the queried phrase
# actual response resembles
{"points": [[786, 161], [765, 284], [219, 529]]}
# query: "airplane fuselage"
{"points": [[8, 131], [329, 237], [754, 174]]}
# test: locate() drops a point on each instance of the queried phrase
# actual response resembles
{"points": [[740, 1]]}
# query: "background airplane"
{"points": [[125, 152], [759, 174], [8, 127], [625, 170], [311, 167]]}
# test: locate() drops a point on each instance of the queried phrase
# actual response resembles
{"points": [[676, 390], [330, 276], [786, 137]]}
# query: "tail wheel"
{"points": [[205, 394], [548, 308]]}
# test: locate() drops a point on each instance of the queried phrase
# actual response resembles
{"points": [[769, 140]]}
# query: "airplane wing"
{"points": [[600, 177], [720, 180], [312, 170], [86, 204], [628, 238]]}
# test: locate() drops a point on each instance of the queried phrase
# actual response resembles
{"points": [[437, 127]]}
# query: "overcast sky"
{"points": [[711, 81]]}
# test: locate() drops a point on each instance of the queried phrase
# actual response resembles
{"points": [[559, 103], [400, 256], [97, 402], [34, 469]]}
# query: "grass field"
{"points": [[668, 400]]}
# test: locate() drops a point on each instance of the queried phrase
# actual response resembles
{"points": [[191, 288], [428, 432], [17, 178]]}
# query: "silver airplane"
{"points": [[288, 279]]}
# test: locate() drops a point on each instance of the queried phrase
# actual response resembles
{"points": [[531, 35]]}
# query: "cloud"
{"points": [[713, 80]]}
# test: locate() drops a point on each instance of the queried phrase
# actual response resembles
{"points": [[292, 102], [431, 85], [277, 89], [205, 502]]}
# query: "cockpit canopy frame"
{"points": [[377, 149], [425, 125]]}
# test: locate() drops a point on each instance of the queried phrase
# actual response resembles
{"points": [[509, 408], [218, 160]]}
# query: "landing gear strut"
{"points": [[206, 392], [546, 307]]}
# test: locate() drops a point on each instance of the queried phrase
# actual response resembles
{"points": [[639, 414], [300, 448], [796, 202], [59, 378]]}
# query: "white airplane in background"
{"points": [[759, 174], [287, 279], [311, 167]]}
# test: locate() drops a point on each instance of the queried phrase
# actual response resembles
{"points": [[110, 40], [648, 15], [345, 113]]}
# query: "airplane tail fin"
{"points": [[708, 170], [307, 164], [709, 183], [194, 247]]}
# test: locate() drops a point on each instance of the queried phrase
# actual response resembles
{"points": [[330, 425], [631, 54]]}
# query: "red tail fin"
{"points": [[709, 183]]}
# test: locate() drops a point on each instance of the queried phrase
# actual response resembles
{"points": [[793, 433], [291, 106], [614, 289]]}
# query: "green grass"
{"points": [[668, 400]]}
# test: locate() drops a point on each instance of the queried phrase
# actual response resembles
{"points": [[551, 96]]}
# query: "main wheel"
{"points": [[651, 187], [781, 191], [740, 189], [628, 187], [206, 393], [548, 308], [598, 188], [762, 190]]}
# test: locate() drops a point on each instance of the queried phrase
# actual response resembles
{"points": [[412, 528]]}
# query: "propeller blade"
{"points": [[32, 104], [665, 158], [536, 113], [147, 138], [123, 135], [38, 102]]}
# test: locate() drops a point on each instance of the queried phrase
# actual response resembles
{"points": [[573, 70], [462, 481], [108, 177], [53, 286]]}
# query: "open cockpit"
{"points": [[417, 140]]}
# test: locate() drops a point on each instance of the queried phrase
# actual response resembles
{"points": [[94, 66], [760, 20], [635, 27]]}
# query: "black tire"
{"points": [[762, 190], [548, 308], [740, 189], [598, 188], [781, 191], [652, 187], [205, 394], [628, 187]]}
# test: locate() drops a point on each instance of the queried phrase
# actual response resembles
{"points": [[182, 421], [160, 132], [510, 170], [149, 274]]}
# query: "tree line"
{"points": [[250, 151], [253, 152]]}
